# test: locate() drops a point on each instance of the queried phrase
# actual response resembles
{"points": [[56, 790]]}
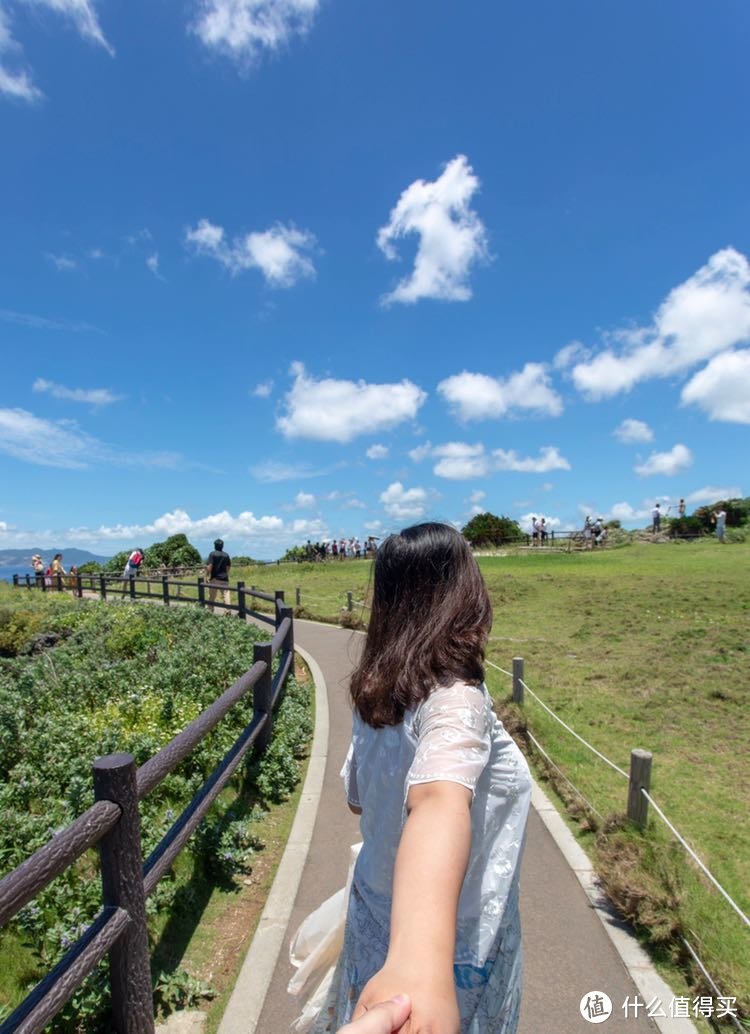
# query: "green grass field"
{"points": [[640, 646]]}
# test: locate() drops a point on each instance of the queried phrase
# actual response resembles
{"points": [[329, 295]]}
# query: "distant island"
{"points": [[21, 558]]}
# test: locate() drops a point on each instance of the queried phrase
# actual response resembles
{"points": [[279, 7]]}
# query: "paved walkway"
{"points": [[568, 948]]}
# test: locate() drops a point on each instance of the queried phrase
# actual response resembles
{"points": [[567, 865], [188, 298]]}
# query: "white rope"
{"points": [[735, 1022], [559, 771], [565, 726], [695, 857], [497, 666]]}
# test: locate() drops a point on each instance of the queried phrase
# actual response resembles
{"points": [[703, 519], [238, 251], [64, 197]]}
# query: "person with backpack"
{"points": [[217, 574], [132, 567]]}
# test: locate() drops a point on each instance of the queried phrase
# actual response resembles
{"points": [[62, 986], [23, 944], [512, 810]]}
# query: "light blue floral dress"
{"points": [[454, 735]]}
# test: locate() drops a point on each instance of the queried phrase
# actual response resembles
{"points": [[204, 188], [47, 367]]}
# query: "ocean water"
{"points": [[6, 573]]}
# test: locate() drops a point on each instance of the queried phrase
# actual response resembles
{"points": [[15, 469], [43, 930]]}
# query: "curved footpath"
{"points": [[573, 944]]}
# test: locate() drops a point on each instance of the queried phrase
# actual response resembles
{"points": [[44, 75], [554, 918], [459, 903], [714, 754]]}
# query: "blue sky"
{"points": [[279, 269]]}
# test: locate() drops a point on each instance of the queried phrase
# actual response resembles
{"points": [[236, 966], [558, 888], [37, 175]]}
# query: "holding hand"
{"points": [[385, 1018]]}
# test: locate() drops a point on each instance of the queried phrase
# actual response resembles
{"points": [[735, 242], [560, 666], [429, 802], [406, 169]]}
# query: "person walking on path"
{"points": [[57, 571], [443, 793], [720, 516], [217, 574]]}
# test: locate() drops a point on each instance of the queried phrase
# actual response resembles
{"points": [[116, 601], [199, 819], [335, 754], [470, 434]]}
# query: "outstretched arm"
{"points": [[428, 875]]}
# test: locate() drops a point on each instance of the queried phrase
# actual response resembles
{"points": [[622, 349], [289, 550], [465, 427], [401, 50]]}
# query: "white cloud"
{"points": [[713, 493], [262, 390], [83, 15], [353, 504], [91, 396], [627, 514], [570, 354], [451, 235], [152, 262], [667, 463], [279, 253], [62, 444], [477, 496], [633, 431], [403, 504], [377, 452], [16, 84], [459, 461], [420, 452], [304, 500], [722, 388], [702, 317], [271, 471], [549, 459], [338, 411], [27, 319], [243, 29], [62, 263], [475, 396]]}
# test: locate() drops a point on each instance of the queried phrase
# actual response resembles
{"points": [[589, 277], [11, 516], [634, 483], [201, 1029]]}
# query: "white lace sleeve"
{"points": [[453, 729], [349, 775]]}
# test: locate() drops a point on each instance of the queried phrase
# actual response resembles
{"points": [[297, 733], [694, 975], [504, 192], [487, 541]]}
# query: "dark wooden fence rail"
{"points": [[113, 822]]}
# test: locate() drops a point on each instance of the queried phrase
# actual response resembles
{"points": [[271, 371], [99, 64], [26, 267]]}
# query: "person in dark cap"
{"points": [[217, 573]]}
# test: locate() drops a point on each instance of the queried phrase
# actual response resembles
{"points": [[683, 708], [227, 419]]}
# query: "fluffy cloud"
{"points": [[337, 411], [633, 431], [62, 444], [304, 500], [262, 390], [279, 253], [477, 496], [704, 316], [377, 452], [152, 263], [420, 452], [666, 463], [451, 235], [16, 83], [459, 461], [92, 396], [475, 396], [722, 388], [62, 263], [83, 15], [627, 514], [404, 504], [272, 471], [713, 493], [243, 29], [549, 459]]}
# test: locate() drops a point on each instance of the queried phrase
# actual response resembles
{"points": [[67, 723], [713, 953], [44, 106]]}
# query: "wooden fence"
{"points": [[113, 823]]}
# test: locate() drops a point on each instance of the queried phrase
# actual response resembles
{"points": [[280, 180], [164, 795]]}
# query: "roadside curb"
{"points": [[636, 961], [246, 1002]]}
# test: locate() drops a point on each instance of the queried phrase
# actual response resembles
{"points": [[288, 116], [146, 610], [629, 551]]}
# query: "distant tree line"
{"points": [[174, 552]]}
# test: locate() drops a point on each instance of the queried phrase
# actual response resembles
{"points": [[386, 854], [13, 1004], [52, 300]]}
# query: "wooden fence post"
{"points": [[288, 645], [640, 779], [263, 693], [165, 589], [518, 680], [297, 597], [201, 592], [279, 598], [15, 581], [122, 887], [79, 586], [349, 602], [103, 586], [241, 602]]}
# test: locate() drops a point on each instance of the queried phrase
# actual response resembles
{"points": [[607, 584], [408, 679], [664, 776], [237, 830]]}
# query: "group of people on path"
{"points": [[54, 574], [341, 549]]}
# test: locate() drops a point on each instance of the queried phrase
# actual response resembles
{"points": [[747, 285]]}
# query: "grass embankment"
{"points": [[79, 679], [641, 646]]}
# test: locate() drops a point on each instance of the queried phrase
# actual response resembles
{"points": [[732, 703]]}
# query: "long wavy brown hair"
{"points": [[430, 619]]}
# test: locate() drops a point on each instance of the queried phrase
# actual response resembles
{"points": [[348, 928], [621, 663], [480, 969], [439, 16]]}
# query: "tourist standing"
{"points": [[656, 519], [217, 574], [720, 516]]}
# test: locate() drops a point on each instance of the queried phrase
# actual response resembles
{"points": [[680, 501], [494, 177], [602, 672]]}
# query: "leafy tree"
{"points": [[116, 564], [685, 527], [92, 567], [175, 551], [736, 510], [296, 553], [485, 529], [242, 561]]}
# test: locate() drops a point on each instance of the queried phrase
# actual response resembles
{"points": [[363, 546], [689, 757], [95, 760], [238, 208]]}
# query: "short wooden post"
{"points": [[640, 779], [297, 597], [263, 693], [103, 586], [201, 592], [28, 581], [15, 581], [279, 594], [518, 680], [122, 887], [349, 601], [131, 586], [241, 602], [79, 586], [165, 589], [288, 645]]}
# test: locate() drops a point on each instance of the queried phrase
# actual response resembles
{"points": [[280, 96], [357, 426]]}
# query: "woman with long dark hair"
{"points": [[443, 794]]}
